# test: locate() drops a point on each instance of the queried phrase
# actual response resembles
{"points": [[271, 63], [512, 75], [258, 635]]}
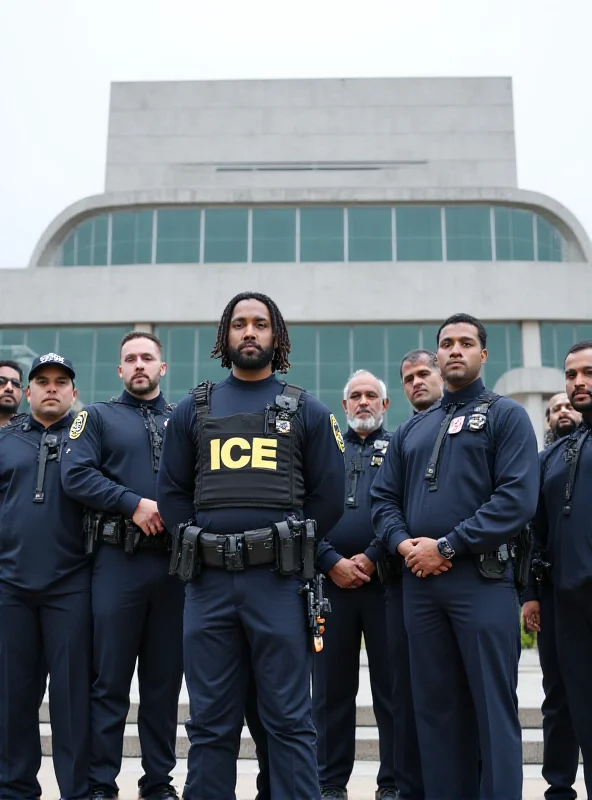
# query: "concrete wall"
{"points": [[401, 292], [415, 132]]}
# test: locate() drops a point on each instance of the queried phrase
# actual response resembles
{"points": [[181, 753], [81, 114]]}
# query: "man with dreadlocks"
{"points": [[239, 460]]}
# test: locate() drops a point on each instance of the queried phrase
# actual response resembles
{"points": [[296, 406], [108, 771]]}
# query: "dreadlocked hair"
{"points": [[279, 362]]}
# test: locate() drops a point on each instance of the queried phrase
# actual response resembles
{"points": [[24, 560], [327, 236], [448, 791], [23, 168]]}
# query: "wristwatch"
{"points": [[445, 548]]}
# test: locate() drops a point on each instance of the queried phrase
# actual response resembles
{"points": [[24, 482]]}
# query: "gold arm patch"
{"points": [[78, 425], [337, 433]]}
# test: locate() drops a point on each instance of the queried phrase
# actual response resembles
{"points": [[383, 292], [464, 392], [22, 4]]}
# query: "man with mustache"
{"points": [[110, 466], [11, 390], [458, 484], [45, 606], [244, 460], [560, 750], [357, 604], [561, 530]]}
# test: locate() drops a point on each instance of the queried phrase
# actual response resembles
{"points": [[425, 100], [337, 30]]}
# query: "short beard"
{"points": [[140, 391], [259, 360], [564, 430], [583, 408], [7, 410], [365, 424]]}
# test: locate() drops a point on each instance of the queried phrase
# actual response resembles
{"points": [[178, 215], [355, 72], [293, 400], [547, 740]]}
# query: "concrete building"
{"points": [[369, 209]]}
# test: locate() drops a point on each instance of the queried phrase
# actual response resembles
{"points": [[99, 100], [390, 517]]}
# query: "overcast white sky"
{"points": [[58, 58]]}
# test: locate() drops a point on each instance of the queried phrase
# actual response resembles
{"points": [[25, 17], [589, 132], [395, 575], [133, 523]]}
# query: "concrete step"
{"points": [[529, 717], [366, 743]]}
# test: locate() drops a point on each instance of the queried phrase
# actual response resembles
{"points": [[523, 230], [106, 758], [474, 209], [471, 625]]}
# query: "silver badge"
{"points": [[381, 444], [282, 425], [476, 422]]}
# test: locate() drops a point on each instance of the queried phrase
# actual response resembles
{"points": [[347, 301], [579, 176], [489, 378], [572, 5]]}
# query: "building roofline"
{"points": [[556, 213]]}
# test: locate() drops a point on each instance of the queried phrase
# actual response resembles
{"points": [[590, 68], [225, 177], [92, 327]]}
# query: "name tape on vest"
{"points": [[237, 453]]}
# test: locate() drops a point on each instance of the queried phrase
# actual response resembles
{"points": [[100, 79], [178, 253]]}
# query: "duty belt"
{"points": [[120, 532], [288, 545]]}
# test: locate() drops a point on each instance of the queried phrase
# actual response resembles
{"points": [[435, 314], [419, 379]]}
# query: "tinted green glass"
{"points": [[77, 344], [107, 343], [84, 233], [468, 233], [66, 257], [101, 233], [419, 233], [177, 238], [514, 235], [274, 234], [131, 237], [369, 234], [583, 332], [226, 232], [42, 340], [565, 336], [549, 241], [321, 234], [548, 351]]}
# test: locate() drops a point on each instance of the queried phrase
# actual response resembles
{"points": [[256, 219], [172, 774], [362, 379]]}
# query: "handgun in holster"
{"points": [[132, 535], [317, 608], [189, 561]]}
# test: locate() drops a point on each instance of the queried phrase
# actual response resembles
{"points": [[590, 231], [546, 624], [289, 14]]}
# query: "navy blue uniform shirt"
{"points": [[322, 462], [487, 479], [40, 543], [566, 539], [354, 533], [109, 465]]}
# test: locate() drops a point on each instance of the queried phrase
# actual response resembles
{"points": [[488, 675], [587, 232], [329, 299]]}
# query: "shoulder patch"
{"points": [[78, 425], [337, 433]]}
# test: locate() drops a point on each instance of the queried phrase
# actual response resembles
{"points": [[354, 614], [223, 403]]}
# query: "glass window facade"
{"points": [[192, 235], [370, 234], [514, 235], [558, 337], [468, 233], [324, 356], [274, 235], [177, 236], [93, 351], [549, 241], [321, 234], [419, 233]]}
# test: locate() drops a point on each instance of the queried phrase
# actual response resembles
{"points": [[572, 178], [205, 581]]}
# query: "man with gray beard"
{"points": [[348, 557]]}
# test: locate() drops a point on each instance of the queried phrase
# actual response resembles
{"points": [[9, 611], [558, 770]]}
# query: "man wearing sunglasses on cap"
{"points": [[11, 390]]}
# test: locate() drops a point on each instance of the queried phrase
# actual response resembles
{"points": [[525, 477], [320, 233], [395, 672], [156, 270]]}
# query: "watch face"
{"points": [[445, 549]]}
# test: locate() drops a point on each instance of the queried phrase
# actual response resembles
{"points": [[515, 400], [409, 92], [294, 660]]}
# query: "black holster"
{"points": [[90, 526], [521, 549], [189, 561], [493, 565], [132, 536], [389, 568]]}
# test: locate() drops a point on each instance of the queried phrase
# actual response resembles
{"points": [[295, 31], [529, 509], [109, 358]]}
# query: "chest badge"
{"points": [[282, 425], [376, 460], [381, 444], [477, 422], [456, 425]]}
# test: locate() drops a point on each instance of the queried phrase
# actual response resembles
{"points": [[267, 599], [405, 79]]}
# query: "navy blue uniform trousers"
{"points": [[138, 614], [464, 646], [233, 619], [561, 750], [407, 760], [44, 630], [335, 683], [573, 616]]}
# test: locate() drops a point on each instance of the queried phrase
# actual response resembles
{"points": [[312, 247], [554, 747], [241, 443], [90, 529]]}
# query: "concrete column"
{"points": [[535, 406], [144, 327], [531, 344]]}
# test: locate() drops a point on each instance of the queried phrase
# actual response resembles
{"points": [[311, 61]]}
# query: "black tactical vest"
{"points": [[251, 460]]}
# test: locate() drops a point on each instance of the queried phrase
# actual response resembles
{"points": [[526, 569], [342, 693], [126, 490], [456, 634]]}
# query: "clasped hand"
{"points": [[422, 557]]}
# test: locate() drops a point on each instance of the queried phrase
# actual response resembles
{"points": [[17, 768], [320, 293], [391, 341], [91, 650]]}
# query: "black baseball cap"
{"points": [[51, 358]]}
